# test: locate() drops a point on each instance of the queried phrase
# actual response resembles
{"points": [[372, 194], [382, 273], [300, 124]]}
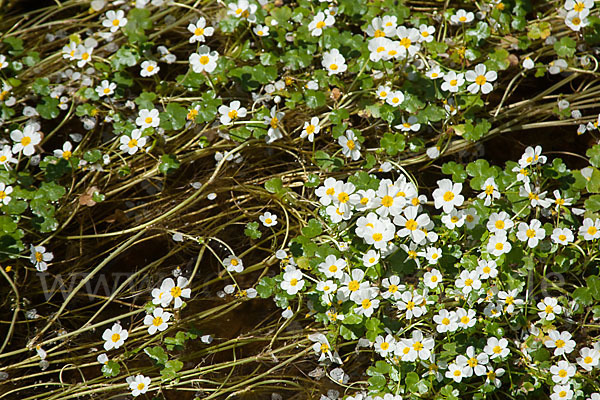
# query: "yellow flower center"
{"points": [[38, 256], [115, 22], [157, 321], [465, 320], [462, 19], [486, 270], [353, 286], [453, 82], [343, 197], [310, 129], [384, 346], [176, 291], [294, 282], [448, 196], [379, 33], [232, 114], [148, 120], [25, 141], [392, 288], [320, 24], [115, 337], [418, 346], [333, 67], [560, 343], [350, 144], [204, 60], [366, 304], [497, 349], [499, 246], [411, 225], [469, 282], [472, 362], [66, 154], [576, 21], [234, 262], [274, 122], [530, 233], [268, 220], [132, 143], [480, 80], [387, 201], [85, 56], [330, 191], [140, 386], [588, 360], [199, 31], [592, 230], [410, 305], [405, 42], [446, 321], [3, 196], [457, 372]]}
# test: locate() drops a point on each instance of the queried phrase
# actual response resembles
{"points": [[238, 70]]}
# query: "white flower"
{"points": [[384, 346], [114, 337], [411, 301], [157, 321], [457, 372], [471, 218], [490, 191], [4, 64], [468, 281], [561, 392], [204, 61], [560, 201], [149, 68], [268, 219], [589, 358], [231, 113], [562, 372], [453, 81], [447, 195], [434, 72], [498, 244], [446, 321], [333, 267], [409, 125], [379, 28], [328, 288], [148, 119], [487, 269], [334, 62], [319, 22], [170, 291], [273, 120], [292, 282], [114, 20], [139, 385], [200, 31], [432, 278], [40, 257], [411, 224], [590, 229], [578, 5], [102, 358], [5, 191], [395, 98], [433, 254], [84, 55], [561, 342], [409, 41], [510, 300], [549, 308], [532, 156], [528, 63], [350, 145], [370, 258], [106, 88], [351, 285], [421, 347], [261, 30], [532, 233], [243, 9], [562, 236], [322, 348], [476, 363], [496, 348], [393, 287], [6, 156], [577, 20], [366, 302], [310, 129], [456, 218], [426, 32], [481, 79], [462, 17], [26, 139], [465, 318], [131, 144], [233, 264]]}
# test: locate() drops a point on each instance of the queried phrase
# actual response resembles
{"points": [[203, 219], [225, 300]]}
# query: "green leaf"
{"points": [[138, 20], [174, 118], [315, 99], [593, 283], [593, 203], [252, 230], [110, 369], [48, 109], [157, 353], [456, 170], [313, 229], [411, 380], [393, 143], [168, 164], [479, 33], [40, 86], [594, 154], [377, 382], [92, 156], [565, 47], [123, 58], [265, 287], [146, 100], [312, 181], [583, 296], [274, 185]]}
